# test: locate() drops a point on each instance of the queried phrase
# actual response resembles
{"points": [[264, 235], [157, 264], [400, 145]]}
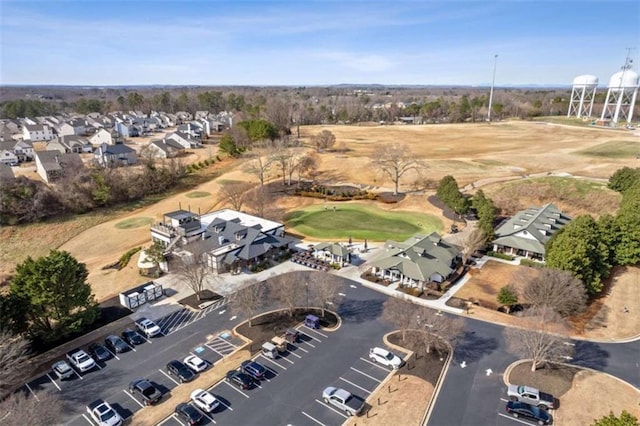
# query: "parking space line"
{"points": [[514, 419], [227, 342], [332, 409], [113, 354], [228, 406], [301, 348], [87, 419], [175, 322], [130, 347], [296, 355], [171, 417], [168, 377], [273, 362], [145, 338], [32, 392], [54, 382], [310, 336], [375, 364], [77, 374], [236, 389], [315, 331], [221, 354], [365, 374], [98, 365], [353, 384], [208, 416], [307, 343], [504, 400], [315, 420], [133, 397]]}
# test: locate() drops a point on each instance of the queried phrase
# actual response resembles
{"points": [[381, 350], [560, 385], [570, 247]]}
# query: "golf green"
{"points": [[360, 222]]}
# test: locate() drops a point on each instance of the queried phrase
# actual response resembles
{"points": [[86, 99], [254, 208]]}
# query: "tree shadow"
{"points": [[360, 310], [471, 347], [589, 354]]}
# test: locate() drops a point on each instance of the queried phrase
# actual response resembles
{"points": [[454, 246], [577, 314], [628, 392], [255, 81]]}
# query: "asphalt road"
{"points": [[470, 394]]}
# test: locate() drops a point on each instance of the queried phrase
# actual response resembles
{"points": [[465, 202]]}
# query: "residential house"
{"points": [[165, 148], [186, 140], [8, 157], [417, 261], [6, 172], [36, 132], [226, 239], [52, 165], [528, 231], [103, 136], [22, 150], [127, 129], [115, 155], [72, 127], [70, 143]]}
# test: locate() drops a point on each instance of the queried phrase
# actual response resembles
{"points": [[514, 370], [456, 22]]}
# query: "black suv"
{"points": [[240, 379], [522, 409], [116, 344], [255, 370], [99, 352], [189, 413], [148, 392], [181, 371], [132, 337]]}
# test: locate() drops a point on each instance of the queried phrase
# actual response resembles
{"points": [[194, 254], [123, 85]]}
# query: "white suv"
{"points": [[385, 357], [148, 327]]}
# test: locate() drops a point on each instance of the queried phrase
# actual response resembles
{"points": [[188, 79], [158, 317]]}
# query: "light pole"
{"points": [[493, 82]]}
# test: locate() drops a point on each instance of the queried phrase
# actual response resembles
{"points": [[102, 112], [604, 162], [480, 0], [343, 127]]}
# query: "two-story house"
{"points": [[115, 155]]}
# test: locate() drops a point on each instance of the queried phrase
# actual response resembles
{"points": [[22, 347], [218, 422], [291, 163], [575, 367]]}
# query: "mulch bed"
{"points": [[446, 211], [553, 378], [390, 197], [264, 327], [206, 296], [425, 366]]}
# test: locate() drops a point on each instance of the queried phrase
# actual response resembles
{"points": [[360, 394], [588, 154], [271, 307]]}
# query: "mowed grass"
{"points": [[198, 194], [360, 222], [134, 222], [613, 149]]}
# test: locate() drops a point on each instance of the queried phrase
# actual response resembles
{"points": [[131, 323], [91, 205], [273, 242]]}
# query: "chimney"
{"points": [[57, 158], [220, 239]]}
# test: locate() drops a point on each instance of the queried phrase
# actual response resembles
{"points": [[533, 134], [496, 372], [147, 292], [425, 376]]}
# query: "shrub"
{"points": [[500, 255], [125, 258], [531, 263], [218, 158]]}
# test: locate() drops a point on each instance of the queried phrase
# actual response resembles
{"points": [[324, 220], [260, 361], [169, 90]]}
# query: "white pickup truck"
{"points": [[103, 413], [343, 400], [81, 360], [531, 396]]}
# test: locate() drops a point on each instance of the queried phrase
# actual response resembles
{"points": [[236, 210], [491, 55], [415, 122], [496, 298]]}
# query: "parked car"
{"points": [[146, 390], [189, 413], [522, 409], [62, 370], [385, 357], [132, 337], [255, 370], [104, 414], [343, 400], [196, 363], [115, 344], [99, 352], [181, 371], [240, 379], [531, 396], [81, 360], [148, 327], [204, 400]]}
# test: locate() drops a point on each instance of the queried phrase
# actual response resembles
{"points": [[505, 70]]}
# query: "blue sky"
{"points": [[306, 42]]}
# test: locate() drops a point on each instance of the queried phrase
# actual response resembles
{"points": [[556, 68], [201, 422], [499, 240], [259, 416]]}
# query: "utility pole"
{"points": [[493, 82]]}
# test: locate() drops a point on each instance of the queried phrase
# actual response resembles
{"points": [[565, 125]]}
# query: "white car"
{"points": [[385, 357], [148, 327], [204, 400], [103, 414], [196, 363]]}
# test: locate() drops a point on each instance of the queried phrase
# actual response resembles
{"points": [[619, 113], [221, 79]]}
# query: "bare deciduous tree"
{"points": [[324, 290], [259, 167], [402, 314], [278, 112], [557, 289], [235, 192], [258, 200], [248, 299], [14, 352], [395, 159], [194, 271], [281, 155], [439, 331], [476, 240], [288, 290], [20, 409], [324, 140], [535, 341], [307, 165]]}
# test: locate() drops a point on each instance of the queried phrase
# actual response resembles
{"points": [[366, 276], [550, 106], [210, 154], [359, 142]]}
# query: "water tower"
{"points": [[622, 93], [582, 95]]}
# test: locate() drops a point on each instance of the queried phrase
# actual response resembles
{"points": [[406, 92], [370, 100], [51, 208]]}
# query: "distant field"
{"points": [[359, 222], [614, 149], [134, 222]]}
